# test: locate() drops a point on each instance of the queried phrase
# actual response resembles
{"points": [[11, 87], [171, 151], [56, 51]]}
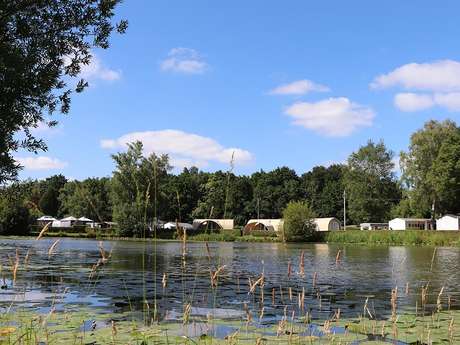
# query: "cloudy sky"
{"points": [[296, 83]]}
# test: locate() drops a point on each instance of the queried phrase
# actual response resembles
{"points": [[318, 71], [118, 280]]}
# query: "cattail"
{"points": [[302, 264], [394, 299], [53, 246], [43, 231]]}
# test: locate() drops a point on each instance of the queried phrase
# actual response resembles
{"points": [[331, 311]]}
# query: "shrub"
{"points": [[298, 222]]}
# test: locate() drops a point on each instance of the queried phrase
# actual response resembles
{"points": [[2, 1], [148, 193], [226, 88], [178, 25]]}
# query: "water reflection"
{"points": [[133, 277]]}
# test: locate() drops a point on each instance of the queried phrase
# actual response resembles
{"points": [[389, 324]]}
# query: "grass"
{"points": [[398, 238]]}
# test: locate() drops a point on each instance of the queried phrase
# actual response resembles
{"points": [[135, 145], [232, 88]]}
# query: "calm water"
{"points": [[134, 271]]}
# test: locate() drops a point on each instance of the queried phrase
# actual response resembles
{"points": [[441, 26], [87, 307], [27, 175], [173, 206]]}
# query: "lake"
{"points": [[132, 278]]}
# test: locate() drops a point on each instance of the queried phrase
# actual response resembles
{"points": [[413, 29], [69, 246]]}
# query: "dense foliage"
{"points": [[143, 189], [298, 222], [43, 45]]}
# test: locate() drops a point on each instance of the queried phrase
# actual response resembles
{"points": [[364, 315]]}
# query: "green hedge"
{"points": [[392, 237]]}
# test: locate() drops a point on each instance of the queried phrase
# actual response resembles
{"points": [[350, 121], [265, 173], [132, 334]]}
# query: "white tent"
{"points": [[448, 222], [172, 226], [85, 220], [46, 219], [68, 222]]}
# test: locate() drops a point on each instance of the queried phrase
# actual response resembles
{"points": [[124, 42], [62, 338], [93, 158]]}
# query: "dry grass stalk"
{"points": [[164, 280], [43, 231], [186, 314], [366, 309], [337, 257], [104, 255], [382, 332], [281, 295], [15, 266], [336, 316], [451, 331], [215, 276], [261, 314], [273, 296], [327, 327], [394, 301], [289, 269], [315, 276], [252, 286], [248, 314], [208, 251], [114, 330], [407, 288], [424, 295], [53, 247], [432, 259], [449, 302], [27, 257], [438, 301], [290, 293], [302, 264]]}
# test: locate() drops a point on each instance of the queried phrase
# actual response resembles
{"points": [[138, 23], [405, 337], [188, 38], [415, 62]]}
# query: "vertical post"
{"points": [[258, 208], [344, 210]]}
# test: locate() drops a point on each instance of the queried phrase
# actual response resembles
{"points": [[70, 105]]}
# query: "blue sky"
{"points": [[296, 83]]}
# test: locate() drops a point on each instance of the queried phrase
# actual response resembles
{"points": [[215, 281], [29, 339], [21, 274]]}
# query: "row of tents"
{"points": [[69, 222], [321, 224], [448, 222]]}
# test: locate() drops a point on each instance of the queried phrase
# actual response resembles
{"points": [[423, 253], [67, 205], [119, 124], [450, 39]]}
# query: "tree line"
{"points": [[143, 188]]}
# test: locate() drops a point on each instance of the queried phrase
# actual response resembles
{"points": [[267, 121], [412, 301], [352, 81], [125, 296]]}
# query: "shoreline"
{"points": [[366, 237]]}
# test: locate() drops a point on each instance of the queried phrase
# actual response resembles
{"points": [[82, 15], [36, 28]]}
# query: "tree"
{"points": [[371, 184], [421, 164], [49, 201], [273, 190], [298, 222], [43, 44], [89, 198], [323, 188], [445, 175], [139, 189], [15, 217]]}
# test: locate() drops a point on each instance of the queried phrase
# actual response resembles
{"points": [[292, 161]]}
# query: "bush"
{"points": [[14, 218], [298, 222]]}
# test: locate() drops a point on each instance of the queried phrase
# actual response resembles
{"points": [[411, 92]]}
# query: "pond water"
{"points": [[132, 278]]}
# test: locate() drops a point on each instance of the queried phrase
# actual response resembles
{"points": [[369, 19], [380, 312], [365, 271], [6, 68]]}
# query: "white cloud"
{"points": [[451, 100], [184, 60], [41, 163], [410, 102], [437, 76], [413, 102], [299, 87], [185, 149], [335, 117], [96, 70]]}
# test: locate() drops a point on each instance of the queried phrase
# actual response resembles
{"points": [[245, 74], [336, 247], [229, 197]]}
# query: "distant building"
{"points": [[264, 224], [213, 224], [410, 224], [373, 226], [448, 222], [327, 224]]}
